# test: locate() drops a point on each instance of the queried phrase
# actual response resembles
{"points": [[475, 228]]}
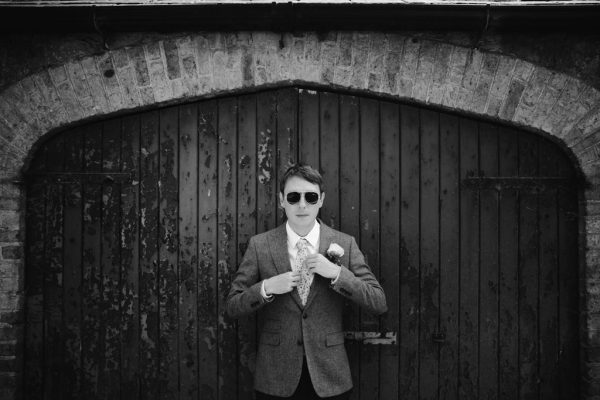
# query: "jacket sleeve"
{"points": [[245, 297], [358, 284]]}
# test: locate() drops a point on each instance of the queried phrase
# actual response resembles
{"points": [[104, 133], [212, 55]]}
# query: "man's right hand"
{"points": [[282, 283]]}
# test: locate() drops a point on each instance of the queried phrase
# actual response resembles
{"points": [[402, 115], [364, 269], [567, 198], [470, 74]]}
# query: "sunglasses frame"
{"points": [[300, 195]]}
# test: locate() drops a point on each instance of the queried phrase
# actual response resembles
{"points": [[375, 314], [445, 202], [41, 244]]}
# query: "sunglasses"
{"points": [[310, 197]]}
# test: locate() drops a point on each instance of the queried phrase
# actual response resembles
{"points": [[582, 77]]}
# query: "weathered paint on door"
{"points": [[135, 227]]}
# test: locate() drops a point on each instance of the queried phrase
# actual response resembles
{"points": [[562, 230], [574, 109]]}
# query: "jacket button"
{"points": [[299, 342], [304, 315]]}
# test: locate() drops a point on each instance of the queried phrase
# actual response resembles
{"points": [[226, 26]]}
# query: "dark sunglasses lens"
{"points": [[311, 197], [293, 197]]}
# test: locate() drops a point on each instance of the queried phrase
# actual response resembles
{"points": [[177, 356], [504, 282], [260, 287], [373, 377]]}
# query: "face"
{"points": [[301, 215]]}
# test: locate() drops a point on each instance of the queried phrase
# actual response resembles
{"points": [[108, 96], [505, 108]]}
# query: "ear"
{"points": [[281, 204], [322, 199]]}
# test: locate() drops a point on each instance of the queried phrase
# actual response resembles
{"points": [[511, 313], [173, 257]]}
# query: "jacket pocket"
{"points": [[270, 338], [272, 325], [334, 339]]}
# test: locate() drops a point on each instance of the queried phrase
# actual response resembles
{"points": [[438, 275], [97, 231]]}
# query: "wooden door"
{"points": [[136, 225]]}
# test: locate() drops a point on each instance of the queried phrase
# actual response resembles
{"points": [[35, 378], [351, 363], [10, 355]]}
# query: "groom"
{"points": [[299, 294]]}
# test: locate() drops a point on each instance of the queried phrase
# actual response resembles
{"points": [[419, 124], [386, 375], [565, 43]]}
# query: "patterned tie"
{"points": [[305, 275]]}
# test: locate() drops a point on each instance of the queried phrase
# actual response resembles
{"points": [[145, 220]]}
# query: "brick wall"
{"points": [[180, 68]]}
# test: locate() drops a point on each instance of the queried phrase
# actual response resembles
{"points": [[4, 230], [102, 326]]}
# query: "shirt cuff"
{"points": [[263, 293], [334, 280]]}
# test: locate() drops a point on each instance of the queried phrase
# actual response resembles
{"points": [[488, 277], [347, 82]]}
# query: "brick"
{"points": [[523, 70], [162, 91], [13, 119], [56, 111], [345, 49], [512, 100], [22, 106], [546, 101], [10, 219], [392, 68], [172, 59], [410, 59], [10, 236], [69, 100], [12, 252], [8, 363], [441, 65], [38, 104], [110, 81], [360, 60], [78, 80], [571, 92], [329, 55], [424, 73], [8, 379], [140, 67], [129, 90], [94, 80], [12, 317]]}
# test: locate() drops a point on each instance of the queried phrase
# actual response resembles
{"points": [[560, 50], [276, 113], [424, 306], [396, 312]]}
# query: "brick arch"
{"points": [[182, 68], [495, 86]]}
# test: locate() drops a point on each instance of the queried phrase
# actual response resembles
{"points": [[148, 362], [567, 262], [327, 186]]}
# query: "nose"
{"points": [[302, 202]]}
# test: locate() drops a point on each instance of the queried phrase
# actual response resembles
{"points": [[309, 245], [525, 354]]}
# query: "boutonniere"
{"points": [[335, 253]]}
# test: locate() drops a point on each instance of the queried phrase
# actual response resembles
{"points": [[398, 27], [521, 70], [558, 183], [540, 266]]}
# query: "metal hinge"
{"points": [[80, 177], [530, 184], [372, 337]]}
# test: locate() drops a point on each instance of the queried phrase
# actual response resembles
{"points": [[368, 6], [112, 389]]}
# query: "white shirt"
{"points": [[292, 241], [311, 237]]}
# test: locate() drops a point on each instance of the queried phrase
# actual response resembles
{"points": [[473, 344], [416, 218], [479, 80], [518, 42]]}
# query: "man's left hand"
{"points": [[318, 264]]}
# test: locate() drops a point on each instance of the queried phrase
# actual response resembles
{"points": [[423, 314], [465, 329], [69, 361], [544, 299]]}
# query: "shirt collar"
{"points": [[312, 237]]}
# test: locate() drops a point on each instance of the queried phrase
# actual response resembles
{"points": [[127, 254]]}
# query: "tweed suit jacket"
{"points": [[289, 331]]}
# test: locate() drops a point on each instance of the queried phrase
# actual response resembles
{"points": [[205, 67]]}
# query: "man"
{"points": [[299, 295]]}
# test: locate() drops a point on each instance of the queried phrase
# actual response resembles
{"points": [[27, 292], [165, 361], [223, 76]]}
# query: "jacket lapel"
{"points": [[326, 237], [281, 258]]}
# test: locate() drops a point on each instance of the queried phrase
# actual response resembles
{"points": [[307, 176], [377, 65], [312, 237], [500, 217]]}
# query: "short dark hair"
{"points": [[303, 171]]}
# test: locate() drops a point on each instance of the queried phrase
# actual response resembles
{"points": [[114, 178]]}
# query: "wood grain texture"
{"points": [[135, 235]]}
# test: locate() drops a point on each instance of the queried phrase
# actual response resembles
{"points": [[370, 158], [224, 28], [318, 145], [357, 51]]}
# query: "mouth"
{"points": [[301, 215]]}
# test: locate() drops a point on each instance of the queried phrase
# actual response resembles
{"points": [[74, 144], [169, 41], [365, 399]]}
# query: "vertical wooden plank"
{"points": [[308, 127], [227, 244], [149, 320], [53, 276], [488, 279], [389, 274], [349, 210], [508, 261], [569, 270], [369, 234], [429, 254], [548, 275], [246, 228], [409, 253], [287, 134], [130, 247], [110, 261], [168, 270], [528, 272], [188, 251], [207, 262], [449, 254], [92, 336], [266, 194], [34, 279], [330, 156], [469, 272], [72, 268]]}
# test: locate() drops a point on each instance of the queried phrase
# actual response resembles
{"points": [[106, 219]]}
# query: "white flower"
{"points": [[335, 250]]}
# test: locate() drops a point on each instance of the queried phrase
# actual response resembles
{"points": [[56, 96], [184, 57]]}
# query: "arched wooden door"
{"points": [[135, 227]]}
